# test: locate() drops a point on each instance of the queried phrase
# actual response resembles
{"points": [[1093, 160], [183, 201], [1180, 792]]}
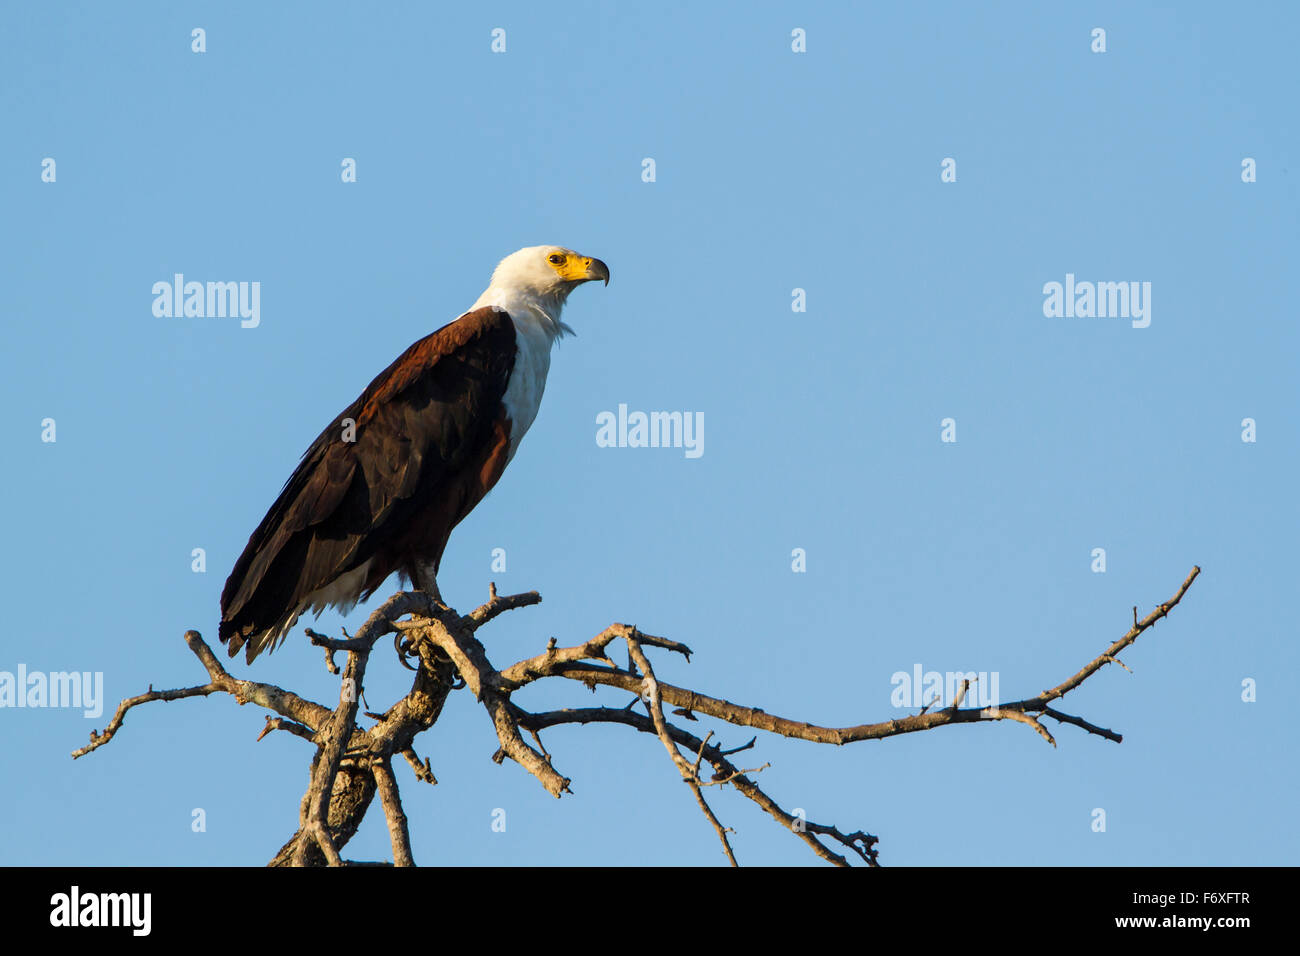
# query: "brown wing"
{"points": [[431, 416]]}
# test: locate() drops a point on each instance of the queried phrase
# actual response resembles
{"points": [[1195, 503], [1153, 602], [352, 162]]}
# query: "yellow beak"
{"points": [[595, 269]]}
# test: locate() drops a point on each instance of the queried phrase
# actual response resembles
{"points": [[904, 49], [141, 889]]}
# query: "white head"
{"points": [[538, 279]]}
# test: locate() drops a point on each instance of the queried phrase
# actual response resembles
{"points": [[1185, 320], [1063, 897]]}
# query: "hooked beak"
{"points": [[596, 269]]}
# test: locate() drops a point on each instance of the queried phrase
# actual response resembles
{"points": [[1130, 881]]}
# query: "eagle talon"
{"points": [[403, 649]]}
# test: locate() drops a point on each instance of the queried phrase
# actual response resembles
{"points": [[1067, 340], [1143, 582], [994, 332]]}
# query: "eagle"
{"points": [[381, 488]]}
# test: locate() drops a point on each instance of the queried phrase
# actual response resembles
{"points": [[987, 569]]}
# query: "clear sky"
{"points": [[774, 171]]}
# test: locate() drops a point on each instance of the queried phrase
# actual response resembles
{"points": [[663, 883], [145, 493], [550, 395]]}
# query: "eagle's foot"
{"points": [[405, 648]]}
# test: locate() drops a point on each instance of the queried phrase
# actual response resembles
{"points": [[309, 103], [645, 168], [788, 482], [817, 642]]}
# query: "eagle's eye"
{"points": [[556, 258]]}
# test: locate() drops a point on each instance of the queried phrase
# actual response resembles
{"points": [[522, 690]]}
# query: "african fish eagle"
{"points": [[382, 487]]}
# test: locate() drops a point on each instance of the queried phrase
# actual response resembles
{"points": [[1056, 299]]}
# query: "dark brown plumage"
{"points": [[431, 439]]}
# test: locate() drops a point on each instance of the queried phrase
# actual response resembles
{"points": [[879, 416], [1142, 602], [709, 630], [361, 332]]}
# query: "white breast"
{"points": [[527, 380], [536, 321]]}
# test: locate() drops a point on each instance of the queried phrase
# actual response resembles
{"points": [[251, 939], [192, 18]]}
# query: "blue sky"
{"points": [[775, 171]]}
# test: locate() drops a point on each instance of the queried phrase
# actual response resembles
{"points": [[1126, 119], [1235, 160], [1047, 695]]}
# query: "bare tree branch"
{"points": [[396, 816], [591, 675], [351, 764], [688, 771], [860, 843]]}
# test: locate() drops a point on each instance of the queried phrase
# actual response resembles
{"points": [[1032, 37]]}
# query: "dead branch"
{"points": [[396, 816], [591, 674], [351, 764], [689, 772]]}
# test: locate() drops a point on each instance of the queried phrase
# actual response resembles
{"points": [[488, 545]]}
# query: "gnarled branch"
{"points": [[351, 763]]}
